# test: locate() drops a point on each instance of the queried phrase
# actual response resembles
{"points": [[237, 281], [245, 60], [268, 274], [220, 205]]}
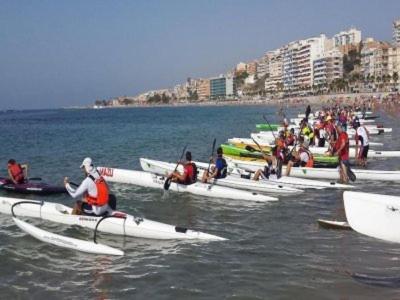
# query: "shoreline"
{"points": [[288, 102]]}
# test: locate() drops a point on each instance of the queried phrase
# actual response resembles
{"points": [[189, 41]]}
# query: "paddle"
{"points": [[270, 127], [167, 182], [212, 154], [35, 178], [351, 174]]}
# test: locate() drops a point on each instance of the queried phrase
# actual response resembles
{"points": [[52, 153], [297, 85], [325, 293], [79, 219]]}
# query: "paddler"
{"points": [[189, 175], [17, 173], [219, 170], [301, 158], [341, 149], [93, 190], [306, 131], [361, 136]]}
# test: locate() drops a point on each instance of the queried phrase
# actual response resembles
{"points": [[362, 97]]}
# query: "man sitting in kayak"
{"points": [[93, 190], [341, 149], [361, 136], [270, 169], [16, 172], [301, 158], [219, 170], [189, 175]]}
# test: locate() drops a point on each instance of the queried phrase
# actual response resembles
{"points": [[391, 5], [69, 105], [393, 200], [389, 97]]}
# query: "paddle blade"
{"points": [[250, 148], [167, 184], [351, 175]]}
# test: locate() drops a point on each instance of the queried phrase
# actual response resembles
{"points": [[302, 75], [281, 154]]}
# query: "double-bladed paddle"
{"points": [[167, 182]]}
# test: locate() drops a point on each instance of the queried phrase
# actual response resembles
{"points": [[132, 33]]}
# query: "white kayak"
{"points": [[374, 215], [66, 242], [319, 173], [236, 177], [127, 226], [163, 168], [151, 180]]}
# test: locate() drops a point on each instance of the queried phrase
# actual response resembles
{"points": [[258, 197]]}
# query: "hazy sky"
{"points": [[64, 53]]}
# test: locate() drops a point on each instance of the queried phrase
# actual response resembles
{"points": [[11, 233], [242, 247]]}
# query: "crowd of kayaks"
{"points": [[243, 159]]}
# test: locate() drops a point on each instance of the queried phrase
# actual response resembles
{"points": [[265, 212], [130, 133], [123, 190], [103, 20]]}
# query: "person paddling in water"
{"points": [[17, 173], [219, 170], [189, 175], [93, 190]]}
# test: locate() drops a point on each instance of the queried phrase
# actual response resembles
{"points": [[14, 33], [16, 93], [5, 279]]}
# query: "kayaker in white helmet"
{"points": [[93, 190]]}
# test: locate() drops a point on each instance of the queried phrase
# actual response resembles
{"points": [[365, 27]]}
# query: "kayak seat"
{"points": [[180, 229]]}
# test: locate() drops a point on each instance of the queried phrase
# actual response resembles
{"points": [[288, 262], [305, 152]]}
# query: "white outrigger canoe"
{"points": [[66, 242], [374, 215], [235, 179], [162, 168], [319, 173], [151, 180], [127, 225]]}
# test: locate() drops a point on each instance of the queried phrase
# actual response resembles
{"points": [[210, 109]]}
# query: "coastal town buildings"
{"points": [[374, 58], [298, 58], [222, 87], [263, 66], [396, 33], [349, 37], [241, 67], [203, 90], [273, 82], [251, 68], [327, 68]]}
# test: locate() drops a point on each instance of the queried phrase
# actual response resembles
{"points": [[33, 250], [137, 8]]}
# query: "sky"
{"points": [[70, 53]]}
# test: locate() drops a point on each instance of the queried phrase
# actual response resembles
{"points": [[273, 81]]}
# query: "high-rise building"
{"points": [[327, 68], [203, 89], [374, 58], [222, 87], [274, 79], [298, 58], [396, 33], [349, 37]]}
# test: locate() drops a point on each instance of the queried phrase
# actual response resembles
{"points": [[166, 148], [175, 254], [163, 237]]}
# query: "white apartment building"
{"points": [[298, 63], [349, 37], [328, 67], [275, 70], [396, 33]]}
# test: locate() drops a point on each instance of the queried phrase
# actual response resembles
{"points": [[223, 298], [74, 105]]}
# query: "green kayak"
{"points": [[236, 151], [266, 127]]}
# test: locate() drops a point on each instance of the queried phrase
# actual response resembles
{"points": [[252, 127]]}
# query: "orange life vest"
{"points": [[102, 192], [17, 172]]}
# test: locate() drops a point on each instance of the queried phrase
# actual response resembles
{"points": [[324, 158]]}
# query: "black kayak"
{"points": [[31, 187]]}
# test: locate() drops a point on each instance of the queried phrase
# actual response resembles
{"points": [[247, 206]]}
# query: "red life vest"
{"points": [[102, 192], [17, 172]]}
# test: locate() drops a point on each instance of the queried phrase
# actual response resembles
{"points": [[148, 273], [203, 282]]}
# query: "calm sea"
{"points": [[275, 250]]}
